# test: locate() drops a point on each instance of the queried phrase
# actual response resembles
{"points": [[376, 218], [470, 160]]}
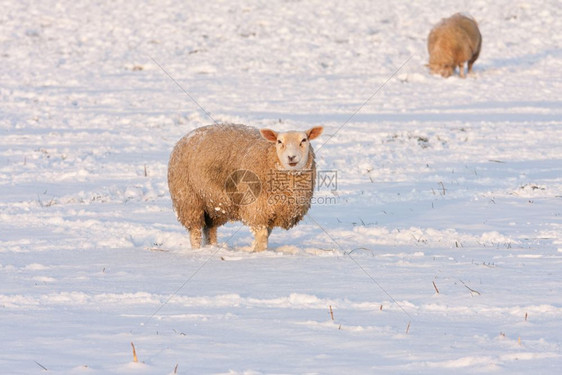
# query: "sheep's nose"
{"points": [[292, 158]]}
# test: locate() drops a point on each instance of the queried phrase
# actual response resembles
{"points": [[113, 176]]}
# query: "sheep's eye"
{"points": [[279, 141], [303, 140]]}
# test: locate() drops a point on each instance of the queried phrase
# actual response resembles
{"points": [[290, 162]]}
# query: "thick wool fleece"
{"points": [[202, 166], [451, 43]]}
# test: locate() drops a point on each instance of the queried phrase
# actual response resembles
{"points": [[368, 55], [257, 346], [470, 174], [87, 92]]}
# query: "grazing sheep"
{"points": [[229, 172], [451, 42]]}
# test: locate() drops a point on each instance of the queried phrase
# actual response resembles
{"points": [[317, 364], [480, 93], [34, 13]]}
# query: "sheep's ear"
{"points": [[269, 135], [314, 132]]}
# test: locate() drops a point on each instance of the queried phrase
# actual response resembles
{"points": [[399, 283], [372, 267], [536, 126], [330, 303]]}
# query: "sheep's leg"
{"points": [[461, 70], [470, 66], [191, 218], [472, 60], [261, 234], [195, 238], [210, 235]]}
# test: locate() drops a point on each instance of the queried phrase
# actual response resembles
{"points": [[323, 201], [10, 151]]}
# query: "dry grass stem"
{"points": [[435, 286], [135, 359], [40, 365]]}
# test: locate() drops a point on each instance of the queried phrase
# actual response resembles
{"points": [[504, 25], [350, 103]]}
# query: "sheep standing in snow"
{"points": [[228, 172], [451, 42]]}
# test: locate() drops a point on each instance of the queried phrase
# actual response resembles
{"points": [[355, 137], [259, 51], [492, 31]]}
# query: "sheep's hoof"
{"points": [[195, 238], [259, 249], [260, 240]]}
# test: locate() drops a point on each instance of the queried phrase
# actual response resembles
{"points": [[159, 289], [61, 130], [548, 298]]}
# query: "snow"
{"points": [[439, 251]]}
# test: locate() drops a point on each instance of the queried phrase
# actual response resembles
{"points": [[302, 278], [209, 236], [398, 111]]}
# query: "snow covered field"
{"points": [[440, 251]]}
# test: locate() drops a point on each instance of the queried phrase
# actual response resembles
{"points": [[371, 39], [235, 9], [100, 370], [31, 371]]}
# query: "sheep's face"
{"points": [[292, 147], [443, 70]]}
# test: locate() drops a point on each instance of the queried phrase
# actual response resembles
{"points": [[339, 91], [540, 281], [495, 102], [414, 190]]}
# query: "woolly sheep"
{"points": [[451, 42], [231, 172]]}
